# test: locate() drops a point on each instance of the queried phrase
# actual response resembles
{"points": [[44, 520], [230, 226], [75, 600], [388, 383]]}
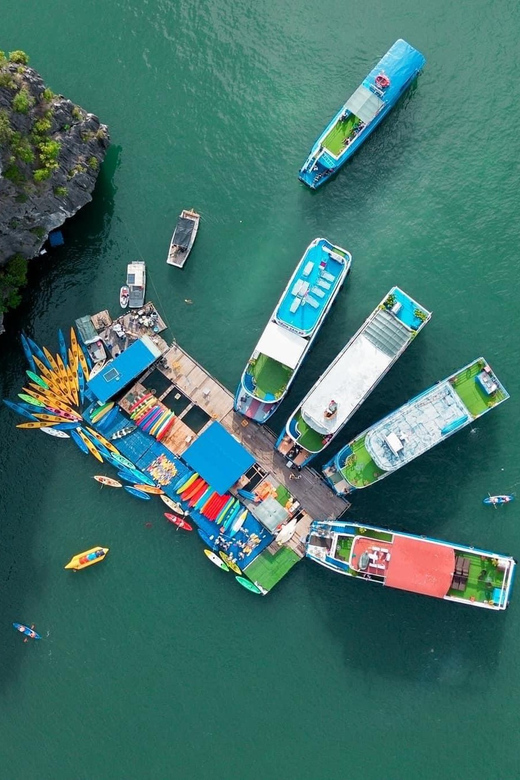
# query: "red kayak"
{"points": [[180, 522]]}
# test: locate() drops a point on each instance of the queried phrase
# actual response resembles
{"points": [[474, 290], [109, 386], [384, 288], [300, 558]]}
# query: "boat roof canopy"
{"points": [[135, 274], [364, 104], [420, 566], [280, 344], [218, 458], [182, 234], [358, 369], [87, 332]]}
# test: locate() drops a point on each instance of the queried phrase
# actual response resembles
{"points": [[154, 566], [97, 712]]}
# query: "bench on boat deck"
{"points": [[324, 284], [460, 578], [295, 305], [328, 277], [300, 288], [318, 291], [308, 268], [312, 302]]}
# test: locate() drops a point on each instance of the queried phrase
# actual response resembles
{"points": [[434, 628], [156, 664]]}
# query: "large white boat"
{"points": [[416, 427], [136, 283], [352, 376], [292, 327], [417, 564]]}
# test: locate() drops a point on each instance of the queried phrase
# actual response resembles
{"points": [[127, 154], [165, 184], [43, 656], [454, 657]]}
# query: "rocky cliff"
{"points": [[50, 153]]}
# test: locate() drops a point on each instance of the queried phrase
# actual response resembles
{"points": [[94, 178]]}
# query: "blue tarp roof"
{"points": [[124, 369], [218, 458]]}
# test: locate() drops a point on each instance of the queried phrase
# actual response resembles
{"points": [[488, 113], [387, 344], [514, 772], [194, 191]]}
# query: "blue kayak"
{"points": [[79, 441], [22, 409], [27, 351], [205, 538], [63, 348], [26, 631], [497, 500], [137, 493]]}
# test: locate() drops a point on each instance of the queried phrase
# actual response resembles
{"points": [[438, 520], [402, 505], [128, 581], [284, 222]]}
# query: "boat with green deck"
{"points": [[291, 330], [416, 427], [453, 572]]}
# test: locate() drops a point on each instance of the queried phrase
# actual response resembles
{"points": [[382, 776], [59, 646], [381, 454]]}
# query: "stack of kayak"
{"points": [[151, 416], [225, 510]]}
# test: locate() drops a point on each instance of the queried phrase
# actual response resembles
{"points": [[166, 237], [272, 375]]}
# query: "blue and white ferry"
{"points": [[362, 113], [291, 329]]}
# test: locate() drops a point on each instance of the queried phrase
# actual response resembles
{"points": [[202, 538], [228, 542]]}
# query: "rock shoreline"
{"points": [[50, 154]]}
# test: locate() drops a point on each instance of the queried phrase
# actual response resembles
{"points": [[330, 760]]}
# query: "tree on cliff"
{"points": [[50, 154]]}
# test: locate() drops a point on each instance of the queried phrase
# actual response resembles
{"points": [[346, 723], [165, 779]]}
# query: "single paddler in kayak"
{"points": [[29, 633]]}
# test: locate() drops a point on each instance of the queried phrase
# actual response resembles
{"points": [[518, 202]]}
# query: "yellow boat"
{"points": [[73, 361], [232, 565], [74, 343], [50, 419], [93, 451], [101, 439], [155, 491], [35, 425], [44, 370], [83, 363], [51, 360], [87, 558]]}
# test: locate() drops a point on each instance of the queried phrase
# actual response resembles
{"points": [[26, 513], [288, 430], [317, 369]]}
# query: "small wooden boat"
{"points": [[28, 632], [88, 558], [216, 560], [152, 489], [183, 238], [107, 481], [490, 500], [180, 522], [124, 296], [174, 506]]}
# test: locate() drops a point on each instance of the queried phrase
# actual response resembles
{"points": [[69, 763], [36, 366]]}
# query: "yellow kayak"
{"points": [[87, 558], [232, 565], [83, 363], [101, 439], [93, 451], [34, 425], [51, 360], [155, 491]]}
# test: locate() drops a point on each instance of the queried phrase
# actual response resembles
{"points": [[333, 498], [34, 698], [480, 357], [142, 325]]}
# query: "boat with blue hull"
{"points": [[351, 377], [416, 427], [417, 564], [362, 113], [291, 330]]}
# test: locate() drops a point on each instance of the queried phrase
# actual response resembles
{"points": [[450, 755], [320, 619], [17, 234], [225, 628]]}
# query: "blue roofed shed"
{"points": [[218, 458], [125, 368]]}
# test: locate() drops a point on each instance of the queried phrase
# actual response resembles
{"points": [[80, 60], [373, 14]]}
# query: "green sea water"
{"points": [[155, 664]]}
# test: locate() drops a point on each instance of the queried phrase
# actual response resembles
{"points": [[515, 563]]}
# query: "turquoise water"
{"points": [[154, 664]]}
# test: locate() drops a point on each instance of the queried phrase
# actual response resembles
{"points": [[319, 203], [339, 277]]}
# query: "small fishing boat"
{"points": [[124, 296], [88, 558], [180, 522], [28, 632], [57, 433], [248, 584], [174, 506], [108, 481], [362, 113], [152, 489], [137, 493], [230, 562], [183, 238], [494, 500], [216, 560], [285, 533], [136, 283]]}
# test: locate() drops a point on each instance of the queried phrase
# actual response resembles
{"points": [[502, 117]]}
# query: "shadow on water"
{"points": [[396, 635], [29, 461]]}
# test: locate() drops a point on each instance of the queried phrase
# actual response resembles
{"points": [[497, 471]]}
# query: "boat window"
{"points": [[112, 375]]}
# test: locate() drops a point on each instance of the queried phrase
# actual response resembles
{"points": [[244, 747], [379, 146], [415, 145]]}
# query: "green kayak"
{"points": [[248, 584]]}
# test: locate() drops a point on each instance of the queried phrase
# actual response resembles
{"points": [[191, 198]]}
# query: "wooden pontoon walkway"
{"points": [[308, 488]]}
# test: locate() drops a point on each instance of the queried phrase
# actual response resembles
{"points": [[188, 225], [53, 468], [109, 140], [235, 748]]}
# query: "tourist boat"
{"points": [[136, 283], [183, 238], [362, 113], [351, 377], [88, 558], [416, 427], [291, 330], [491, 500], [124, 297], [453, 572]]}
